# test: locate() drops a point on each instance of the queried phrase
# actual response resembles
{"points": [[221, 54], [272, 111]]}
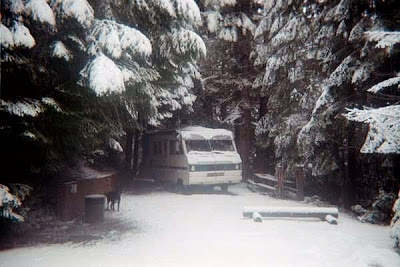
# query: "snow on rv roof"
{"points": [[198, 132]]}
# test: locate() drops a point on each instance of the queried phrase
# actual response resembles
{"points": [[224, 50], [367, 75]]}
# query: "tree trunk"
{"points": [[349, 167], [128, 149], [245, 135], [136, 152], [260, 161]]}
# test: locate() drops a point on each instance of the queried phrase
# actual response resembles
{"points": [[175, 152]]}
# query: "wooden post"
{"points": [[300, 182], [281, 179]]}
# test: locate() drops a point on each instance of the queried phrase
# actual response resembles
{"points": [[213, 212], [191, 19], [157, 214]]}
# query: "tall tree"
{"points": [[319, 60], [138, 57], [228, 72]]}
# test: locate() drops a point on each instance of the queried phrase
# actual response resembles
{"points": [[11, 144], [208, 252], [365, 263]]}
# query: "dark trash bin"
{"points": [[94, 208]]}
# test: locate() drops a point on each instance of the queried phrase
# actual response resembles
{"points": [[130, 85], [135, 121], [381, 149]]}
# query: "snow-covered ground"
{"points": [[207, 229]]}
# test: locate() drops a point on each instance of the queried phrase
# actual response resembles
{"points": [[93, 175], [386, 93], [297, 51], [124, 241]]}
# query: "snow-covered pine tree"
{"points": [[227, 98], [143, 52], [335, 66], [360, 65], [291, 46], [146, 51], [384, 127], [42, 50]]}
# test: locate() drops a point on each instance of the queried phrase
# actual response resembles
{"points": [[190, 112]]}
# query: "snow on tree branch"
{"points": [[188, 10], [118, 40], [51, 103], [182, 42], [8, 202], [17, 7], [363, 73], [79, 10], [213, 19], [385, 39], [162, 7], [40, 11], [28, 107], [7, 40], [31, 108], [384, 128], [103, 76], [382, 85], [22, 36], [217, 4], [60, 51], [228, 34]]}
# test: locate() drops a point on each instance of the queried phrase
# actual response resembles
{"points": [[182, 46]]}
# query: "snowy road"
{"points": [[207, 229]]}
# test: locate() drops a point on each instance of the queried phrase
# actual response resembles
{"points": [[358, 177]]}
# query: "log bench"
{"points": [[326, 214]]}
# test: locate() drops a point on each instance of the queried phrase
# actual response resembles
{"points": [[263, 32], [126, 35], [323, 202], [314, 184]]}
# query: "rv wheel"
{"points": [[181, 188], [224, 188]]}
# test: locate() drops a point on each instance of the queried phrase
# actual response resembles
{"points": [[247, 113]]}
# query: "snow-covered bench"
{"points": [[327, 214]]}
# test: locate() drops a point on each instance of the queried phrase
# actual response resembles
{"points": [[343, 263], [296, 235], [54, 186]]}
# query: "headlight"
{"points": [[192, 168], [237, 166]]}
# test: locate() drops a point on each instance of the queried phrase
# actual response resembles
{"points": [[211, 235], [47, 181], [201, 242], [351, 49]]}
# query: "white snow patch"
{"points": [[115, 145], [182, 42], [116, 40], [103, 76], [198, 132], [7, 203], [60, 51], [207, 229], [228, 34], [233, 115], [218, 4], [17, 7], [188, 10], [382, 85], [363, 73], [29, 135], [40, 11], [7, 40], [384, 128], [213, 20], [51, 102], [22, 108], [22, 36], [77, 41], [80, 10], [385, 39]]}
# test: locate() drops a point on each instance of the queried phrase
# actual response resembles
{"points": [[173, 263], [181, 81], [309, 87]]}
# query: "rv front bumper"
{"points": [[214, 178]]}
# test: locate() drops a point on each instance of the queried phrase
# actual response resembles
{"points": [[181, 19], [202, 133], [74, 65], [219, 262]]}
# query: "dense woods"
{"points": [[309, 82]]}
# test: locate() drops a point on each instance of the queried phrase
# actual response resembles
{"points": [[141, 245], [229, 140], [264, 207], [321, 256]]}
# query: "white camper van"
{"points": [[193, 156]]}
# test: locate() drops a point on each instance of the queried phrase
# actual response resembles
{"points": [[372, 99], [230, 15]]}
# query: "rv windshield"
{"points": [[197, 145], [222, 145]]}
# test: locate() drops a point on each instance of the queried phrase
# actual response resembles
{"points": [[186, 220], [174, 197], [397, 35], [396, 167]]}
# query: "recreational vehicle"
{"points": [[193, 156]]}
